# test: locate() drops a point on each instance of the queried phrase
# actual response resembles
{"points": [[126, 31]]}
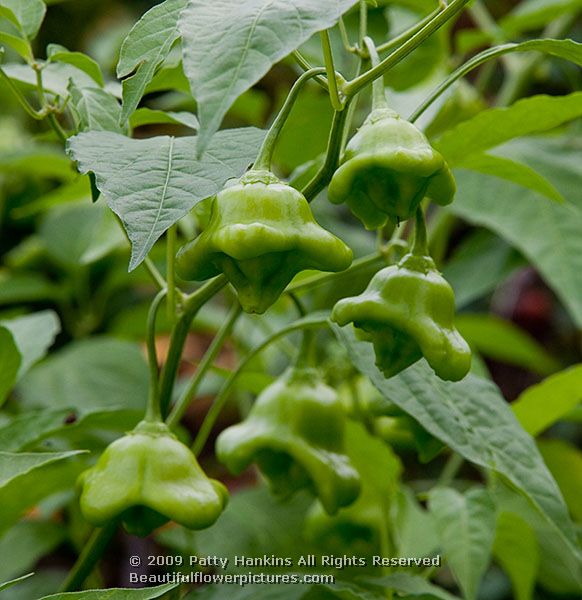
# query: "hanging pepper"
{"points": [[147, 478], [387, 169], [295, 433], [407, 312], [260, 235]]}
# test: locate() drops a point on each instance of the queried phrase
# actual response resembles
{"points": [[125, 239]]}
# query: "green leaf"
{"points": [[10, 360], [93, 373], [473, 419], [26, 287], [97, 233], [495, 126], [22, 47], [479, 264], [565, 462], [247, 39], [26, 478], [28, 13], [546, 233], [542, 405], [144, 49], [28, 428], [116, 593], [511, 170], [8, 584], [95, 109], [505, 342], [466, 526], [147, 116], [273, 591], [533, 14], [57, 53], [403, 583], [37, 161], [33, 334], [25, 543], [516, 550], [151, 184]]}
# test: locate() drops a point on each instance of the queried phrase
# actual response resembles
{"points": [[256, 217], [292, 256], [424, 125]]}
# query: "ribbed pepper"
{"points": [[149, 477], [407, 312], [295, 433], [260, 235], [387, 169]]}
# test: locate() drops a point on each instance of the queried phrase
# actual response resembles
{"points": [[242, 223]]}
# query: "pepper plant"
{"points": [[266, 291]]}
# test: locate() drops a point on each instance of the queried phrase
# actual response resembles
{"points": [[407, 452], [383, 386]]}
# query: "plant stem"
{"points": [[207, 361], [192, 304], [153, 271], [451, 468], [153, 410], [170, 272], [35, 114], [363, 23], [306, 66], [316, 280], [222, 397], [330, 68], [407, 33], [357, 84], [345, 38], [265, 154], [420, 245], [324, 175], [89, 557], [378, 97], [46, 107]]}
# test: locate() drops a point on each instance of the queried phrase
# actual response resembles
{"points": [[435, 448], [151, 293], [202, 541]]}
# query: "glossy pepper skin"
{"points": [[260, 235], [295, 432], [149, 477], [407, 312], [387, 169]]}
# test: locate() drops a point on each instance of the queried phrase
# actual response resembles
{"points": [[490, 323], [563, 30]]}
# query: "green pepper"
{"points": [[387, 169], [147, 478], [407, 312], [295, 432], [260, 235]]}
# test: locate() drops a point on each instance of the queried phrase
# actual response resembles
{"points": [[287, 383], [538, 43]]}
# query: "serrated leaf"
{"points": [[57, 53], [99, 372], [511, 170], [466, 526], [95, 109], [473, 419], [116, 593], [495, 126], [33, 334], [546, 233], [10, 360], [246, 39], [144, 49], [29, 14], [516, 550], [504, 341], [151, 184], [542, 405]]}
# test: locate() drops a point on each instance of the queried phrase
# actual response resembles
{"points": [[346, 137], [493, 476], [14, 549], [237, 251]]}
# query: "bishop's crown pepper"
{"points": [[147, 478], [387, 169], [261, 233], [295, 433]]}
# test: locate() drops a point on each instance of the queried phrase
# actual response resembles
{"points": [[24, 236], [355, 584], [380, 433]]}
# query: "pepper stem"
{"points": [[153, 412], [265, 155], [420, 246], [378, 95]]}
